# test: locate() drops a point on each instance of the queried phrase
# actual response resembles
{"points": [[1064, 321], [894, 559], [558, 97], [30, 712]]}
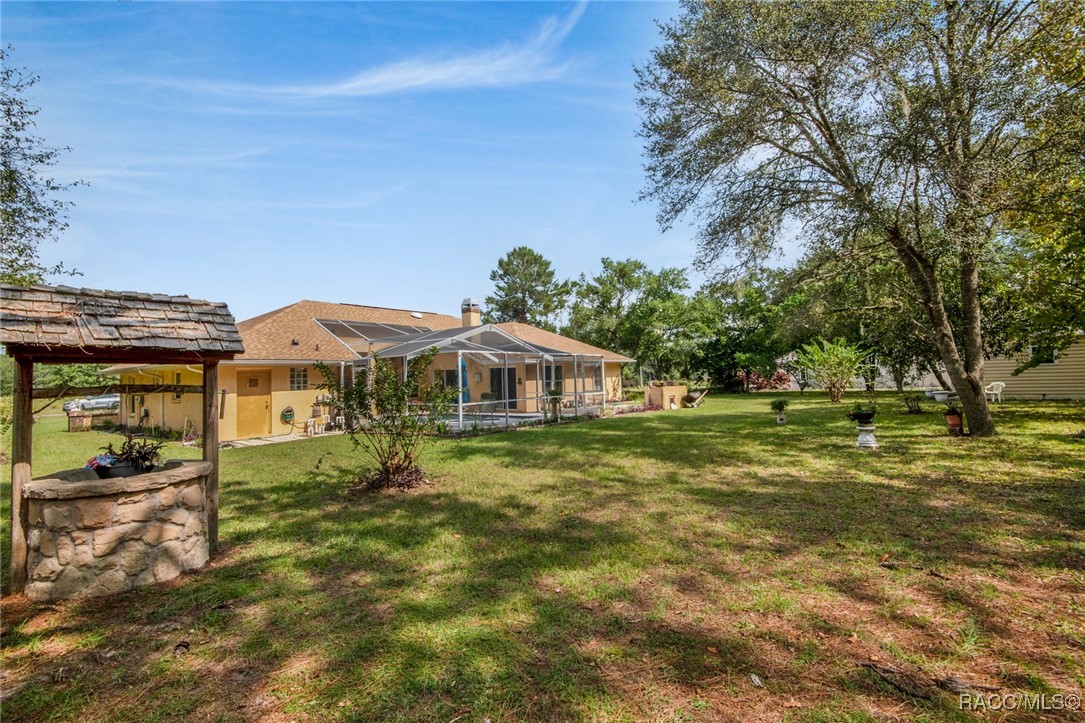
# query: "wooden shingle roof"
{"points": [[66, 324]]}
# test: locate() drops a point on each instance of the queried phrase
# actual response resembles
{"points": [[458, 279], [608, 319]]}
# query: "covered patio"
{"points": [[505, 381]]}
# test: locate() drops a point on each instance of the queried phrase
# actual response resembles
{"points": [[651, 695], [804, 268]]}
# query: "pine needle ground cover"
{"points": [[702, 564]]}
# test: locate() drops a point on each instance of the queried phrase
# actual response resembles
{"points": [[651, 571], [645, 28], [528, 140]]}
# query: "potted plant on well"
{"points": [[954, 418], [135, 456], [780, 407]]}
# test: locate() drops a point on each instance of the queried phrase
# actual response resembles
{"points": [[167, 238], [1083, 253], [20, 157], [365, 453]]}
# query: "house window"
{"points": [[254, 382], [299, 379], [177, 381], [553, 377], [1046, 357], [452, 379]]}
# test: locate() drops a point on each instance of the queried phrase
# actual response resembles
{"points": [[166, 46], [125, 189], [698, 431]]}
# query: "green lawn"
{"points": [[643, 567]]}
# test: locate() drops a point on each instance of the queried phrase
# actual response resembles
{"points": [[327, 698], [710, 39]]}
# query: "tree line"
{"points": [[737, 335]]}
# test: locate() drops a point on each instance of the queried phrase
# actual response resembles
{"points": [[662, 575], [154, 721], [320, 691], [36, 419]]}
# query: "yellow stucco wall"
{"points": [[163, 410], [529, 388]]}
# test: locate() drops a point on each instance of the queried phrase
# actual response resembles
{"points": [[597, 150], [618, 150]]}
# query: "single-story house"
{"points": [[1058, 376], [272, 388]]}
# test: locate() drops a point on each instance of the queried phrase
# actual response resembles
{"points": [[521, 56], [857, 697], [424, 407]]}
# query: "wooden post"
{"points": [[22, 448], [211, 449]]}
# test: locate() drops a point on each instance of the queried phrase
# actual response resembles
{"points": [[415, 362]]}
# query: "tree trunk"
{"points": [[966, 374], [973, 398], [933, 366]]}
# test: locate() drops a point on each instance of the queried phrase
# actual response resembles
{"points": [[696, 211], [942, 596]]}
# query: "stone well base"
{"points": [[88, 536]]}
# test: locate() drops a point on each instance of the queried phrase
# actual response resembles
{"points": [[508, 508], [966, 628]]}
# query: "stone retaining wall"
{"points": [[88, 536]]}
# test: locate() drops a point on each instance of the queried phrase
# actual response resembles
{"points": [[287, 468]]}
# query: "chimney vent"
{"points": [[471, 312]]}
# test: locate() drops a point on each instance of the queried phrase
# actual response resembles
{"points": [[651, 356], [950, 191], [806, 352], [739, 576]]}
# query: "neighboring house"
{"points": [[1061, 376], [499, 365]]}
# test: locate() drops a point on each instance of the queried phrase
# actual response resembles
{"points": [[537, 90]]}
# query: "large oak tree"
{"points": [[923, 127], [30, 211]]}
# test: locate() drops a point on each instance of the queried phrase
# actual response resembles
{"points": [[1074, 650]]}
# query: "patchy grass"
{"points": [[647, 567]]}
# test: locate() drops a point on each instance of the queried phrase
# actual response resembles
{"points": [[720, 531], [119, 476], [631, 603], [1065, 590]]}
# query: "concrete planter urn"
{"points": [[863, 416], [780, 407]]}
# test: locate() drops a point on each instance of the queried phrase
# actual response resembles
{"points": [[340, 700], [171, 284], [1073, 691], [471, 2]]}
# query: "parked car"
{"points": [[100, 401]]}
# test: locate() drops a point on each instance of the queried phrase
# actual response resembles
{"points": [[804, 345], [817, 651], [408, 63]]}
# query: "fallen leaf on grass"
{"points": [[712, 650], [756, 680]]}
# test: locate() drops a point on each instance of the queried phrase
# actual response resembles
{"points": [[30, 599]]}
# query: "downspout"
{"points": [[505, 384], [576, 391], [459, 388], [603, 381], [161, 397]]}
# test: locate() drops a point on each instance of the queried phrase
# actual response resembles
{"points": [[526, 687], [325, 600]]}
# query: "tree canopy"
{"points": [[916, 129], [30, 212], [633, 310], [525, 290]]}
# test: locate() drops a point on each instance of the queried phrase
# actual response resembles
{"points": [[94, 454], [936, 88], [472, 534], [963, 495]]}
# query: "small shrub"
{"points": [[833, 363], [391, 418], [913, 401], [779, 405], [780, 379]]}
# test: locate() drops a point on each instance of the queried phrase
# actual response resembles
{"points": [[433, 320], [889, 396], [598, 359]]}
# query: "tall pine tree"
{"points": [[525, 290]]}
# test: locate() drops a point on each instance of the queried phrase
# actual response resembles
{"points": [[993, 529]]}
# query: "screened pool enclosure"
{"points": [[503, 380]]}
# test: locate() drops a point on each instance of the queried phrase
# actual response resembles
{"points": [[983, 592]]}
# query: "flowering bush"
{"points": [[779, 380]]}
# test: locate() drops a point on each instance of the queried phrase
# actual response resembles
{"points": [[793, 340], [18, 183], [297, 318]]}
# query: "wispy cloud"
{"points": [[360, 200], [508, 64]]}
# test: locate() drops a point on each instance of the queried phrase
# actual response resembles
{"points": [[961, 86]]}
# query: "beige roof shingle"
{"points": [[291, 333], [550, 340]]}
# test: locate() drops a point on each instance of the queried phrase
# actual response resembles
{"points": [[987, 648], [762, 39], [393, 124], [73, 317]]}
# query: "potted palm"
{"points": [[954, 418], [780, 407]]}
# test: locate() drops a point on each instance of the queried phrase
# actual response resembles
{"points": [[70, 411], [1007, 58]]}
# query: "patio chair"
{"points": [[993, 391], [489, 403]]}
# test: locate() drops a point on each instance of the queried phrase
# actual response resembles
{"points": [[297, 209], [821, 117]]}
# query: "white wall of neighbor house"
{"points": [[1063, 377]]}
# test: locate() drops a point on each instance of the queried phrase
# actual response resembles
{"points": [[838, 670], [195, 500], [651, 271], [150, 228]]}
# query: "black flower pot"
{"points": [[120, 469], [863, 418]]}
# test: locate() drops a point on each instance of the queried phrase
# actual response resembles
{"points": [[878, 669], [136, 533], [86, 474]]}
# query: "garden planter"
{"points": [[120, 469], [955, 422], [781, 418], [864, 422], [863, 418]]}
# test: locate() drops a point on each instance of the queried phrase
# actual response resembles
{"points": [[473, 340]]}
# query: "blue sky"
{"points": [[373, 153]]}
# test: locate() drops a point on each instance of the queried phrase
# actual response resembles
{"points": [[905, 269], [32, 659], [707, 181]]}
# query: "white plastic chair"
{"points": [[993, 391]]}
